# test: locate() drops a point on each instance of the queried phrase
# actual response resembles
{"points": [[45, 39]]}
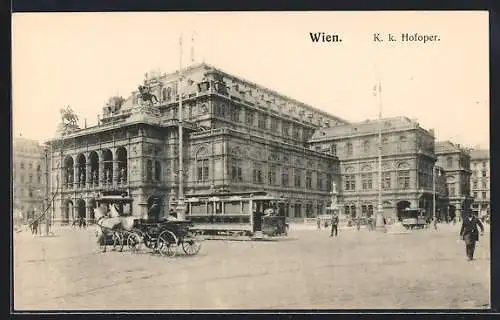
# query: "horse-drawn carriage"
{"points": [[118, 229]]}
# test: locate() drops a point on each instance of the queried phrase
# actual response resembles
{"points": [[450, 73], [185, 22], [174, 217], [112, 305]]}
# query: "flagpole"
{"points": [[180, 202]]}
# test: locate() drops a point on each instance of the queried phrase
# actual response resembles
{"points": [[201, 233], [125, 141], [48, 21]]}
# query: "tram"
{"points": [[413, 218], [247, 214]]}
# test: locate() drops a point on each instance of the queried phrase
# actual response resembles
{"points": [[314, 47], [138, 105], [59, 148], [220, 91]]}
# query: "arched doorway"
{"points": [[94, 168], [92, 205], [400, 207], [80, 208], [121, 156], [67, 211], [107, 157], [68, 172]]}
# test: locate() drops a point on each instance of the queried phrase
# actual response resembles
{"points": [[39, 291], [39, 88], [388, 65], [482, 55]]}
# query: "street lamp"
{"points": [[434, 192], [181, 211], [46, 198]]}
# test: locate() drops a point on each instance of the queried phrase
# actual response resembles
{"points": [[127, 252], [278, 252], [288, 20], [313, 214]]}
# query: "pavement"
{"points": [[307, 270]]}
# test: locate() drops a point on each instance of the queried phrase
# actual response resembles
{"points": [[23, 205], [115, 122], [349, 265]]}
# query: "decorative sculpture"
{"points": [[146, 95]]}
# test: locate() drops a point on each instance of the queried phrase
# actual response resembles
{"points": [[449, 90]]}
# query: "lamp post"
{"points": [[434, 192], [379, 218], [181, 211], [46, 198]]}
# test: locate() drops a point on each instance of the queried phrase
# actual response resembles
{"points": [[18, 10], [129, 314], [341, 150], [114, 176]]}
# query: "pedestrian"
{"points": [[358, 223], [335, 222], [318, 221], [35, 226], [435, 223], [470, 233]]}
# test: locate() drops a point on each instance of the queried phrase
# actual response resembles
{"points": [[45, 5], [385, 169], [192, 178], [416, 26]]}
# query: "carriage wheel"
{"points": [[166, 245], [135, 242], [191, 247], [118, 241]]}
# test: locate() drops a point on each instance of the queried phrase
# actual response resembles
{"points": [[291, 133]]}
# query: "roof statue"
{"points": [[69, 121], [146, 96]]}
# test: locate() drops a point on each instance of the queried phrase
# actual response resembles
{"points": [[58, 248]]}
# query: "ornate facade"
{"points": [[407, 165], [238, 136], [456, 161], [28, 184], [480, 179]]}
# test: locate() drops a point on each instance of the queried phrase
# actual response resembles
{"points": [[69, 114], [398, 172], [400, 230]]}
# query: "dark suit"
{"points": [[154, 212], [335, 223], [470, 234]]}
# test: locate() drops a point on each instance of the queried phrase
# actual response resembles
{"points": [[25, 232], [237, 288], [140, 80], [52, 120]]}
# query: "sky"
{"points": [[81, 59]]}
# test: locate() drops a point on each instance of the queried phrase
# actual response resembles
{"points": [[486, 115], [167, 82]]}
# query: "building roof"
{"points": [[480, 154], [446, 147], [367, 127]]}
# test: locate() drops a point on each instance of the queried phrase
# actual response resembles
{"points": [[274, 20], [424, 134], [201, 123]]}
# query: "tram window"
{"points": [[232, 208]]}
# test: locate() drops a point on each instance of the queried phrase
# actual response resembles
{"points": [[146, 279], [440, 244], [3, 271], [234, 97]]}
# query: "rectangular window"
{"points": [[483, 194], [475, 194], [386, 180], [366, 181], [149, 170], [474, 185], [236, 172], [319, 181], [484, 185], [250, 117], [262, 121], [350, 182], [309, 179], [298, 178], [235, 114], [329, 182], [157, 171], [202, 170], [285, 129], [295, 131], [484, 173], [257, 173], [333, 149], [274, 124], [404, 179], [284, 177], [271, 176]]}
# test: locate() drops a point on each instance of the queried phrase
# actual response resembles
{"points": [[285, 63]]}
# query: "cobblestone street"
{"points": [[359, 269]]}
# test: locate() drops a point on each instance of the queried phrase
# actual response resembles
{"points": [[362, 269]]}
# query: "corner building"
{"points": [[238, 136], [456, 161], [480, 179], [407, 165]]}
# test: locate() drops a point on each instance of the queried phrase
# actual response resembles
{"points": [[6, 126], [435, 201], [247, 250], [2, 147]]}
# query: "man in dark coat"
{"points": [[335, 224], [154, 211], [470, 233]]}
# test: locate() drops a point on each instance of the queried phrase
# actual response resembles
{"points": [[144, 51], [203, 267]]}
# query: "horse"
{"points": [[107, 224], [146, 95]]}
